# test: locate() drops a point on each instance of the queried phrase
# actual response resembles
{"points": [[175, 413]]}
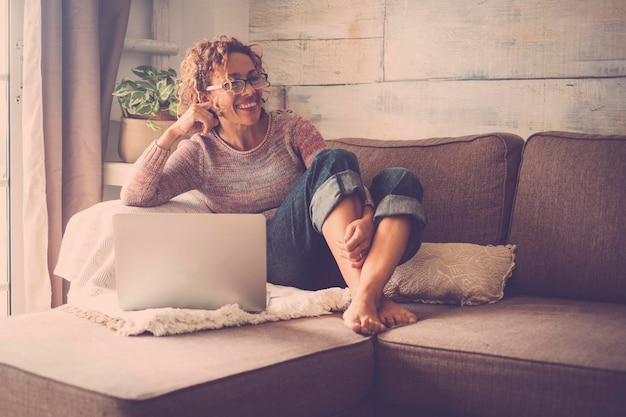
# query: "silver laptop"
{"points": [[190, 260]]}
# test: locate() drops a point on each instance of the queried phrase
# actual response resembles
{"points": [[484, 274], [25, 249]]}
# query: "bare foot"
{"points": [[362, 317], [392, 315]]}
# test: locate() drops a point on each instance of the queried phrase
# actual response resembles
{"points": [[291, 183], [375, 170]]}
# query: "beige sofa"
{"points": [[554, 345]]}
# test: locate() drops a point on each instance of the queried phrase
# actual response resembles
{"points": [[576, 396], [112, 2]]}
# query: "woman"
{"points": [[243, 159]]}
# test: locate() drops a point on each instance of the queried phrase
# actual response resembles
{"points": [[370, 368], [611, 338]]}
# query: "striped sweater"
{"points": [[231, 181]]}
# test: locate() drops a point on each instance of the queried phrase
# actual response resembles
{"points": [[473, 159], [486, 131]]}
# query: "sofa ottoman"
{"points": [[55, 364]]}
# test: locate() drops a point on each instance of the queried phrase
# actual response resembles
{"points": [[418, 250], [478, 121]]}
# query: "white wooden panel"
{"points": [[435, 39], [319, 62], [231, 17], [161, 30], [275, 98], [314, 19], [414, 110], [151, 46]]}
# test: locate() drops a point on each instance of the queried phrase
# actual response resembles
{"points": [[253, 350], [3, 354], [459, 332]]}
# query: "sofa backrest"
{"points": [[468, 181], [568, 219]]}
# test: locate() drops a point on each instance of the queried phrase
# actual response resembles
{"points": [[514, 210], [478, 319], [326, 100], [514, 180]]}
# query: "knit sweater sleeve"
{"points": [[307, 140], [160, 175]]}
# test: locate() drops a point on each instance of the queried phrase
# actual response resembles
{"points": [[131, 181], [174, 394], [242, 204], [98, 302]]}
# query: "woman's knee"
{"points": [[334, 175], [337, 160], [398, 181]]}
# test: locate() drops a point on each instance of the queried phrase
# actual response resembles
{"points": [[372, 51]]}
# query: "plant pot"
{"points": [[136, 136]]}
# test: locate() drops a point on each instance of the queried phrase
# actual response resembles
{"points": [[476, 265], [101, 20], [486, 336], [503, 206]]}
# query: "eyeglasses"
{"points": [[257, 81]]}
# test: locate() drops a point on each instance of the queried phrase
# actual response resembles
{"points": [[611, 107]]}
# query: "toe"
{"points": [[409, 317], [391, 321]]}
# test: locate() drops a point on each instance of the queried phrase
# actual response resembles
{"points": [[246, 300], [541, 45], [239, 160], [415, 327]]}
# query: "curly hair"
{"points": [[202, 61]]}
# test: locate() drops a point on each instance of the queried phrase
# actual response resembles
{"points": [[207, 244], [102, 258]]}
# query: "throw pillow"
{"points": [[453, 273]]}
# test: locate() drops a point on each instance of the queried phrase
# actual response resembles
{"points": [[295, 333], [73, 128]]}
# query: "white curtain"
{"points": [[71, 55]]}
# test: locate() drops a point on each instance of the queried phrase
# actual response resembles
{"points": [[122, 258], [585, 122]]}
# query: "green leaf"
{"points": [[145, 85], [170, 73], [152, 125], [173, 108], [165, 91], [145, 71]]}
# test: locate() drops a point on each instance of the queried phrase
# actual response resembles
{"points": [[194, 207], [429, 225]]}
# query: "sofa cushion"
{"points": [[468, 181], [568, 220], [55, 364], [453, 273], [523, 356]]}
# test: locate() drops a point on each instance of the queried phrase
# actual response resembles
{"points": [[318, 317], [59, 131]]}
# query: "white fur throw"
{"points": [[285, 303]]}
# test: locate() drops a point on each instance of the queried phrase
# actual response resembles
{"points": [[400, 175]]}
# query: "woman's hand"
{"points": [[197, 119], [357, 241]]}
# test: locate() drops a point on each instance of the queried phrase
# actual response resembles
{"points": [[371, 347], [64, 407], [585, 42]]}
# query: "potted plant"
{"points": [[148, 105]]}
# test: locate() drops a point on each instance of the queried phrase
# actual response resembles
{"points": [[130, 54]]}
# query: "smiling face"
{"points": [[243, 108]]}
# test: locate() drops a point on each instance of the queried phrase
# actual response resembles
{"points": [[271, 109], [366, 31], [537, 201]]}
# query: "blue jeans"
{"points": [[295, 244]]}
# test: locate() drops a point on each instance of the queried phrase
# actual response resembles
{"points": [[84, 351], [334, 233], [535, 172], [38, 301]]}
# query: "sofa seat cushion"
{"points": [[55, 364], [523, 356]]}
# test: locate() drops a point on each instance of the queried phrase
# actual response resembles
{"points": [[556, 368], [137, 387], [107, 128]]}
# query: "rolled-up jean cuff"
{"points": [[331, 192], [394, 205]]}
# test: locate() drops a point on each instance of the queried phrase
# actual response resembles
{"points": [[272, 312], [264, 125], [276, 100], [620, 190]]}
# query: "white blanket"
{"points": [[284, 303], [86, 260]]}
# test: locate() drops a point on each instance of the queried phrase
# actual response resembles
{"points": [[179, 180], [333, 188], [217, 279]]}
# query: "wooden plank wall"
{"points": [[402, 69]]}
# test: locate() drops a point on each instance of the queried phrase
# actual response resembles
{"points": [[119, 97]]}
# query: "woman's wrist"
{"points": [[368, 205], [167, 139], [368, 212]]}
